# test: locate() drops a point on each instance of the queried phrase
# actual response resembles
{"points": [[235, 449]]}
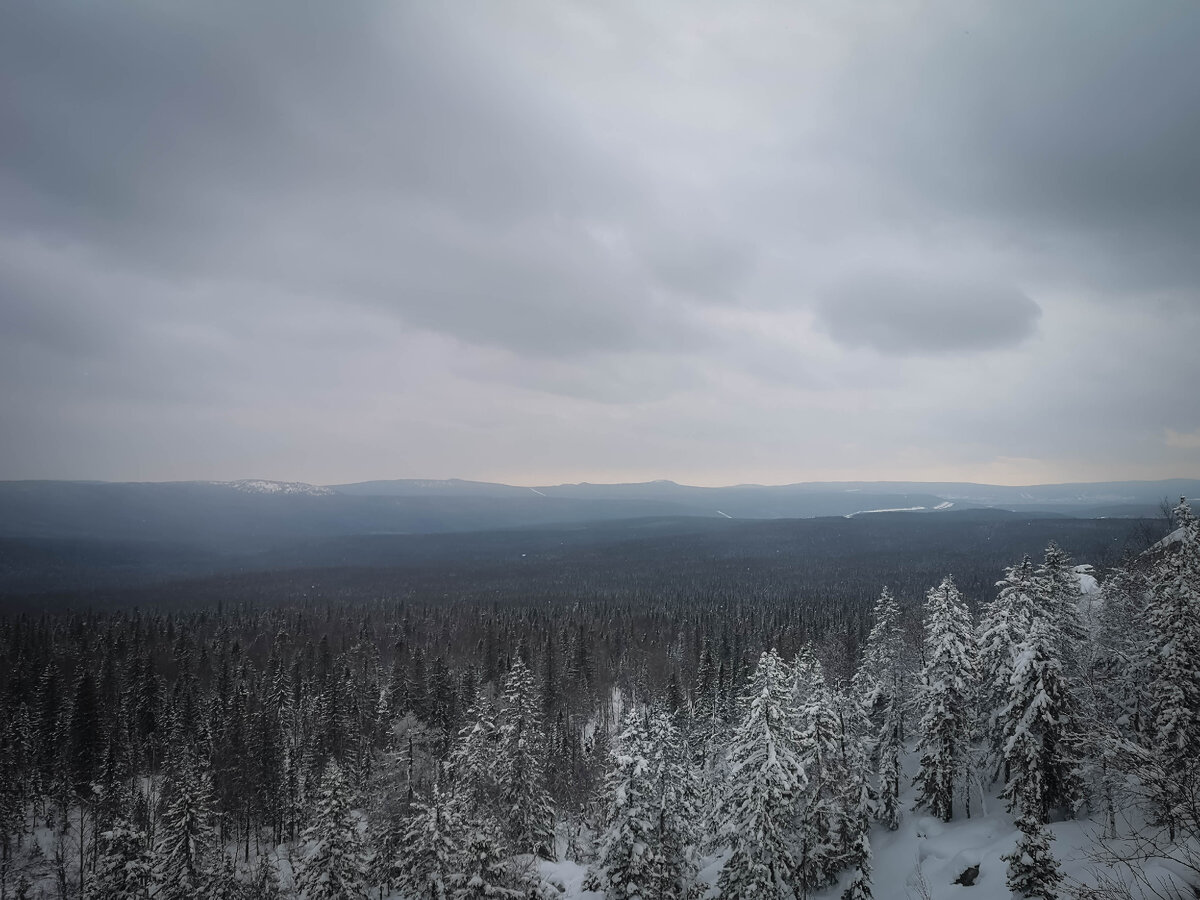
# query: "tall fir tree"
{"points": [[430, 857], [883, 687], [625, 851], [1122, 665], [858, 810], [186, 842], [1059, 596], [336, 865], [946, 696], [471, 767], [1040, 728], [1173, 650], [679, 808], [819, 851], [857, 803], [483, 867], [1003, 625], [123, 864], [526, 809], [483, 872], [85, 738], [765, 779]]}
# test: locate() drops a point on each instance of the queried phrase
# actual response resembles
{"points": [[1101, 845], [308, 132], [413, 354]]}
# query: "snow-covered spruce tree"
{"points": [[819, 849], [1174, 663], [1003, 624], [223, 884], [679, 809], [472, 769], [888, 775], [883, 677], [857, 804], [704, 694], [648, 846], [1058, 594], [124, 866], [946, 695], [1040, 728], [336, 866], [859, 857], [883, 686], [186, 845], [627, 846], [14, 792], [430, 855], [482, 872], [1032, 868], [765, 779], [1122, 664], [526, 810], [1112, 699], [483, 867], [807, 675]]}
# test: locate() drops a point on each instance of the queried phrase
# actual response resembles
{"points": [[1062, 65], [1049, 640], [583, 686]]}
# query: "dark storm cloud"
{"points": [[901, 313]]}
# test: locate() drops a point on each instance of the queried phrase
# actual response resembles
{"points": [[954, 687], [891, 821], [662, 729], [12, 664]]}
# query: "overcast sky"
{"points": [[535, 242]]}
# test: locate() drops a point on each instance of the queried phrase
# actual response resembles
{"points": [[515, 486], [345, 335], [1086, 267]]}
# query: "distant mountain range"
{"points": [[228, 515], [59, 533], [825, 498]]}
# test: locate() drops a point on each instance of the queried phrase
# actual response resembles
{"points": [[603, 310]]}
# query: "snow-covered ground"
{"points": [[920, 861], [923, 858]]}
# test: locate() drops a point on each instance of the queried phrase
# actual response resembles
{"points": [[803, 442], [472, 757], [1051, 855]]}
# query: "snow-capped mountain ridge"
{"points": [[263, 486]]}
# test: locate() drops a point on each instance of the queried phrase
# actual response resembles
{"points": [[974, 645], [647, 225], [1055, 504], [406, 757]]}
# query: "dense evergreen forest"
{"points": [[440, 742], [822, 562]]}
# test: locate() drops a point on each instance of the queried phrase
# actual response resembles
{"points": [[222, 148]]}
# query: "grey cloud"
{"points": [[901, 313], [1069, 134], [703, 266], [1107, 402], [393, 161], [121, 110], [616, 380], [246, 228]]}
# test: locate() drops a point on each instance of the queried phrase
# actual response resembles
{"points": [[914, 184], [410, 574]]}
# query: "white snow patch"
{"points": [[1173, 538], [259, 486], [536, 491], [863, 512], [1087, 581], [568, 877], [725, 514]]}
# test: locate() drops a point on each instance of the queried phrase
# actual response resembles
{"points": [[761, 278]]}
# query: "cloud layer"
{"points": [[712, 242], [901, 313]]}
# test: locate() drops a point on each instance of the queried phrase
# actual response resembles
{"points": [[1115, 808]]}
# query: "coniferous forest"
{"points": [[662, 748]]}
